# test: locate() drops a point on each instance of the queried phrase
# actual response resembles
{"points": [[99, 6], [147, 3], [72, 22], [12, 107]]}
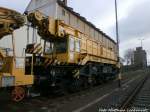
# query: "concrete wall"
{"points": [[140, 58]]}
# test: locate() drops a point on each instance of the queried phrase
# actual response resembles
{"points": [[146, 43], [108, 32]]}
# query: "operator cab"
{"points": [[57, 46], [64, 49]]}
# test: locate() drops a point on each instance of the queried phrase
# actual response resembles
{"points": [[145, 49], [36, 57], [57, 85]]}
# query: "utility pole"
{"points": [[117, 39], [117, 30]]}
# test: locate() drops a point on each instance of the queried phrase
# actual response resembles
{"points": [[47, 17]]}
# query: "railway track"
{"points": [[139, 100], [135, 91], [52, 102], [119, 99], [56, 103]]}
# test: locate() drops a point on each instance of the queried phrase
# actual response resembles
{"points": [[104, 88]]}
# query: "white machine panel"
{"points": [[7, 81]]}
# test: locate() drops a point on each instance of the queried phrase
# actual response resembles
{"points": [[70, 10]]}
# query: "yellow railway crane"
{"points": [[75, 53], [11, 76]]}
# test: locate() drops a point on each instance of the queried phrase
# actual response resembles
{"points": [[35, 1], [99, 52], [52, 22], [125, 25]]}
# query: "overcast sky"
{"points": [[134, 18]]}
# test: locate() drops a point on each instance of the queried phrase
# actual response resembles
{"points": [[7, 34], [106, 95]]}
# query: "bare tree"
{"points": [[122, 61], [129, 56]]}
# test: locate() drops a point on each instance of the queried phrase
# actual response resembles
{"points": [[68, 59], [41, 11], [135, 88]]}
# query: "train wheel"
{"points": [[18, 94]]}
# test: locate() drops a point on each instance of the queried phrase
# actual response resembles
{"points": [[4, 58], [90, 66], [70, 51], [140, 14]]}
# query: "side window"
{"points": [[48, 47], [72, 46], [77, 45]]}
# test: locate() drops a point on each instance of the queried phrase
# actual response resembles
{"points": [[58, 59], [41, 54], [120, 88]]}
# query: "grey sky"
{"points": [[134, 18]]}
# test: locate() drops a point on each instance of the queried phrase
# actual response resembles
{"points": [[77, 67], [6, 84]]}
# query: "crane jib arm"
{"points": [[9, 21]]}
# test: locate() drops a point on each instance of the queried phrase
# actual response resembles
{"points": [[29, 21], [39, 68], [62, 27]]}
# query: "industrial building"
{"points": [[140, 58]]}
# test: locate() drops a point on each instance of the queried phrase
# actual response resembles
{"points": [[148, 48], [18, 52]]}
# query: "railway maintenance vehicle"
{"points": [[74, 53], [12, 76]]}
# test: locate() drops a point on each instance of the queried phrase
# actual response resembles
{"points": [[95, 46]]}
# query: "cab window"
{"points": [[77, 45], [72, 46], [61, 45], [49, 47]]}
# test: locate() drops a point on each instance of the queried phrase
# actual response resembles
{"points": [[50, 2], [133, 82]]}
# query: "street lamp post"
{"points": [[141, 42], [117, 39], [117, 31]]}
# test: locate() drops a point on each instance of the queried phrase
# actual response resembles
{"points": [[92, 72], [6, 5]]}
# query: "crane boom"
{"points": [[9, 21]]}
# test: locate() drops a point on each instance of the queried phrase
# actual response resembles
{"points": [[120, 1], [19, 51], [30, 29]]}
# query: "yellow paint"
{"points": [[63, 57], [20, 77], [90, 48]]}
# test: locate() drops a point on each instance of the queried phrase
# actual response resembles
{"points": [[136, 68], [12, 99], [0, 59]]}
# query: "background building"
{"points": [[140, 58]]}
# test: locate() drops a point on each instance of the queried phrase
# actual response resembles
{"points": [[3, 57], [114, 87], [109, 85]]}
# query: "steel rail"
{"points": [[134, 93]]}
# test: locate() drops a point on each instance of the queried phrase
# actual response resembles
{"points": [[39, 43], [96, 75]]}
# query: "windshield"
{"points": [[59, 46]]}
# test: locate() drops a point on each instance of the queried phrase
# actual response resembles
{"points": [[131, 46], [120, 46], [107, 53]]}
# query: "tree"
{"points": [[129, 56], [122, 61]]}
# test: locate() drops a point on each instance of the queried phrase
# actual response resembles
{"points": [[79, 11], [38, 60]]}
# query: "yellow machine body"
{"points": [[10, 75], [84, 49]]}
